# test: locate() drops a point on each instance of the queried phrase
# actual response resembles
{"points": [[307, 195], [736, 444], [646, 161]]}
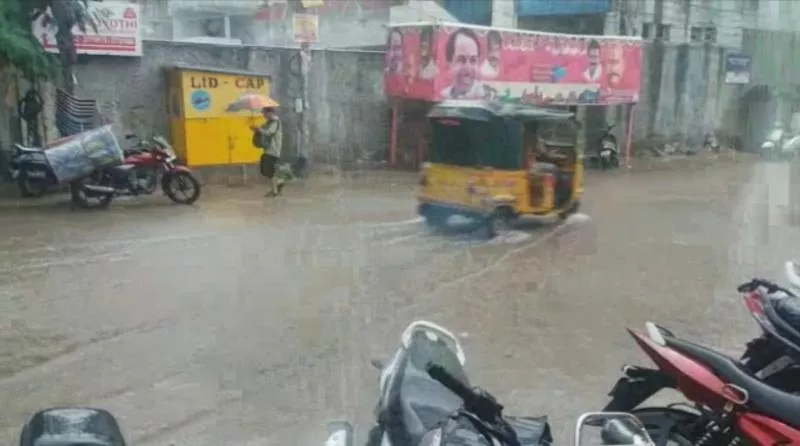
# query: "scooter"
{"points": [[608, 149], [425, 399], [592, 428], [780, 145]]}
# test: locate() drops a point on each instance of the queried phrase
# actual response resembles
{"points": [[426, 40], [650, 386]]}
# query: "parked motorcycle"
{"points": [[608, 149], [780, 145], [728, 403], [425, 400], [29, 169], [773, 357], [140, 174], [710, 142]]}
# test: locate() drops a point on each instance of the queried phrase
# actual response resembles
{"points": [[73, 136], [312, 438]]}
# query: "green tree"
{"points": [[66, 14], [19, 47]]}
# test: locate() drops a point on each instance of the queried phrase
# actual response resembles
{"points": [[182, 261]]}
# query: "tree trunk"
{"points": [[64, 16]]}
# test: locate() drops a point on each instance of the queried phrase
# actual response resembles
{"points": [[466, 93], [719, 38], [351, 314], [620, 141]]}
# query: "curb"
{"points": [[687, 162]]}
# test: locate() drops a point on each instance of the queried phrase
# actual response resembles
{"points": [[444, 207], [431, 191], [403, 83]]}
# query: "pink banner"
{"points": [[434, 63]]}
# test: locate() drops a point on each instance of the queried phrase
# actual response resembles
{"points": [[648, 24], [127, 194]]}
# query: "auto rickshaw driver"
{"points": [[546, 161]]}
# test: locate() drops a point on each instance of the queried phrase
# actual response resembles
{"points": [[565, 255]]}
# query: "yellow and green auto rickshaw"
{"points": [[496, 162]]}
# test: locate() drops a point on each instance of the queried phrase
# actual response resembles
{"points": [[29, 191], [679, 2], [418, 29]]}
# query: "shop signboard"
{"points": [[119, 30]]}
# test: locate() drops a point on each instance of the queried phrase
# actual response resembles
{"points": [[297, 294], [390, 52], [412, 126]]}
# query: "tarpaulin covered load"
{"points": [[79, 155]]}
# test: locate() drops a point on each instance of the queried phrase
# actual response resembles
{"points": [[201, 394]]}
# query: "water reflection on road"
{"points": [[253, 321]]}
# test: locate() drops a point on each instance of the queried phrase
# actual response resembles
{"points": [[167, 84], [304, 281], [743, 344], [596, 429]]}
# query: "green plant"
{"points": [[19, 47]]}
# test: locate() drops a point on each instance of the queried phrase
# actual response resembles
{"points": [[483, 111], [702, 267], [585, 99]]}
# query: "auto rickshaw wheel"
{"points": [[498, 222], [435, 223], [570, 210]]}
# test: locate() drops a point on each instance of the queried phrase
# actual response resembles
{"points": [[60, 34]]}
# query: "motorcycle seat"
{"points": [[763, 398]]}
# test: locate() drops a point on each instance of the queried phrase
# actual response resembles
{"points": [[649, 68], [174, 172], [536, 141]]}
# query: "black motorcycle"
{"points": [[30, 170], [425, 399]]}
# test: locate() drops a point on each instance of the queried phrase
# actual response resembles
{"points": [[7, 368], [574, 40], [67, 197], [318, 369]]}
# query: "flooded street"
{"points": [[247, 320]]}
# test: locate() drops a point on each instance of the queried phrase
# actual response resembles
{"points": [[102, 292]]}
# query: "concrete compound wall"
{"points": [[348, 113], [683, 96]]}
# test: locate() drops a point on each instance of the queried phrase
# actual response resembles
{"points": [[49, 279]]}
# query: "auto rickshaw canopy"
{"points": [[485, 110], [481, 133]]}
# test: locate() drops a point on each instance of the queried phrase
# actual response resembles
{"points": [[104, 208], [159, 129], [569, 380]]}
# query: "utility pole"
{"points": [[310, 32]]}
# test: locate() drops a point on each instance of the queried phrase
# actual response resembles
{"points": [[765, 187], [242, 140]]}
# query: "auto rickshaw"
{"points": [[497, 162]]}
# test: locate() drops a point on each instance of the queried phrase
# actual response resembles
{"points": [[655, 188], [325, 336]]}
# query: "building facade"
{"points": [[342, 23], [687, 44]]}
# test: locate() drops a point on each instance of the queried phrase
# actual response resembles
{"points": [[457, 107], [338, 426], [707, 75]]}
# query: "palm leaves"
{"points": [[20, 48]]}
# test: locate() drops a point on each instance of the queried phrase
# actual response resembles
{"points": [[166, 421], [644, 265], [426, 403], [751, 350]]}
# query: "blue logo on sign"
{"points": [[201, 100]]}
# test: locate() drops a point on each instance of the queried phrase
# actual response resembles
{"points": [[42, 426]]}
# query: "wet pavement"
{"points": [[248, 320]]}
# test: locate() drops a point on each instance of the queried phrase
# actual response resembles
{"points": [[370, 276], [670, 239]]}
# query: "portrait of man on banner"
{"points": [[394, 53], [463, 55], [594, 72], [491, 66], [427, 55]]}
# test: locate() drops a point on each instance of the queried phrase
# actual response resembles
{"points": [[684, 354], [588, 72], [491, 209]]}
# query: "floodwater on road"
{"points": [[248, 320]]}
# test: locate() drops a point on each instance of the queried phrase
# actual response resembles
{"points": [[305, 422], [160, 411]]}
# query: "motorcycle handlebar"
{"points": [[444, 377], [478, 404], [755, 284]]}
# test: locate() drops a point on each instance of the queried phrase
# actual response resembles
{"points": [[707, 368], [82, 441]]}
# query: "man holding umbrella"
{"points": [[269, 137]]}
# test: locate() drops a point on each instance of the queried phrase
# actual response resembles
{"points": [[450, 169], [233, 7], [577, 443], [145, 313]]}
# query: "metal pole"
{"points": [[629, 136], [393, 135], [305, 134]]}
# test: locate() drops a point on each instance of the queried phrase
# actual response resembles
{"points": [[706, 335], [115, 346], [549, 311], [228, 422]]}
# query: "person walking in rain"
{"points": [[269, 137]]}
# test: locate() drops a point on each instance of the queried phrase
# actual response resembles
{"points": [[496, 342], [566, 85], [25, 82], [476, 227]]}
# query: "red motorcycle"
{"points": [[774, 356], [148, 164], [730, 405]]}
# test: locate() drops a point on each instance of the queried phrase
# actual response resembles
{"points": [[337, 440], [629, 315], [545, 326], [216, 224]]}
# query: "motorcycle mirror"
{"points": [[377, 363], [340, 433], [611, 428], [792, 275]]}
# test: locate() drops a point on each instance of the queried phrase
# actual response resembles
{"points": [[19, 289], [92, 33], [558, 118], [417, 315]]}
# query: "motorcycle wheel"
{"points": [[29, 187], [668, 426], [181, 187], [84, 201]]}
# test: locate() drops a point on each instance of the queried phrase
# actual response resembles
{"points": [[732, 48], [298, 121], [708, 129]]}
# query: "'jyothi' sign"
{"points": [[119, 31]]}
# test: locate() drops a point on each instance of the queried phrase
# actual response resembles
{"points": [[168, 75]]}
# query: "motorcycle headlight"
{"points": [[432, 438]]}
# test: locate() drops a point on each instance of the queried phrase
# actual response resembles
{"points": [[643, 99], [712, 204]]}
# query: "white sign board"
{"points": [[119, 30]]}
